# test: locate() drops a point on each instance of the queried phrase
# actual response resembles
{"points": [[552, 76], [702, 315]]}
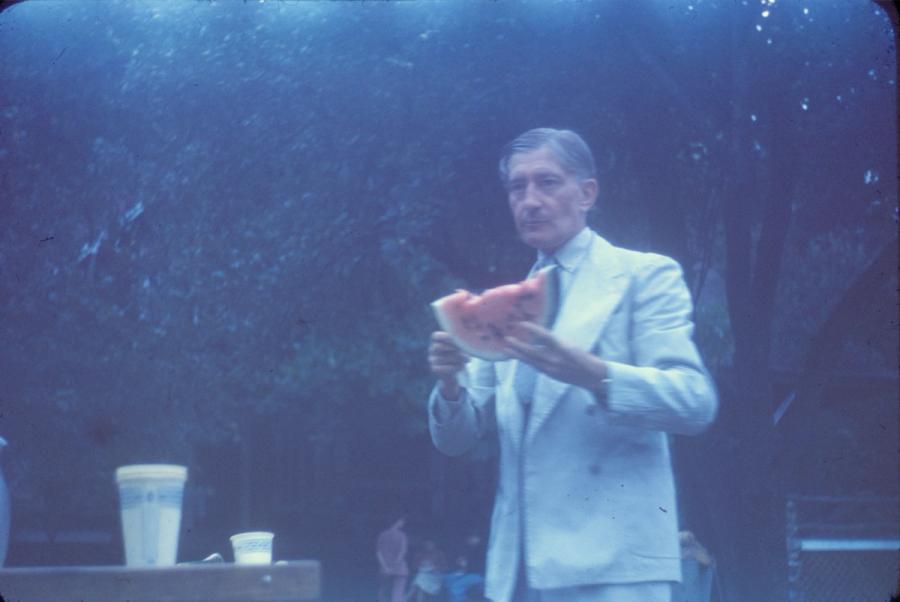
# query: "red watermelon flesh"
{"points": [[478, 323]]}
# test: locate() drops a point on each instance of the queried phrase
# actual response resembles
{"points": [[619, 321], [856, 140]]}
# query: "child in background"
{"points": [[428, 584], [390, 550], [463, 585]]}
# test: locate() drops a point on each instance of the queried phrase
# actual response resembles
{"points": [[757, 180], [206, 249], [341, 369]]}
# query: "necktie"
{"points": [[526, 375]]}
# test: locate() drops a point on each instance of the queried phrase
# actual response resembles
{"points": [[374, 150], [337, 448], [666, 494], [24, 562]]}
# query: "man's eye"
{"points": [[549, 182]]}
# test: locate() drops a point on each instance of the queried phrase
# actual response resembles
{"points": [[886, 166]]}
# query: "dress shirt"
{"points": [[568, 257]]}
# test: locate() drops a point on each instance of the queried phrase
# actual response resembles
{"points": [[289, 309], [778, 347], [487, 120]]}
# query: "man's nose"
{"points": [[531, 198]]}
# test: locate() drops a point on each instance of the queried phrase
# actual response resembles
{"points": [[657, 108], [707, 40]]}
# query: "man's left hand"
{"points": [[557, 359]]}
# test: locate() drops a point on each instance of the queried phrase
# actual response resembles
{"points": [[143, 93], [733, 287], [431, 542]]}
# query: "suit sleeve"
{"points": [[456, 426], [667, 388]]}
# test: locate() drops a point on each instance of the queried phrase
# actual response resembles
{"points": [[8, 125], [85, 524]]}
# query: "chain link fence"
{"points": [[849, 576], [843, 549]]}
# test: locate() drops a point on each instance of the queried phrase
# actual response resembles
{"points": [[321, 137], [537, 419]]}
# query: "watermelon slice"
{"points": [[478, 323]]}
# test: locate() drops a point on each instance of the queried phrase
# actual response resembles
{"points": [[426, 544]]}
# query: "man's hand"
{"points": [[558, 360], [445, 360]]}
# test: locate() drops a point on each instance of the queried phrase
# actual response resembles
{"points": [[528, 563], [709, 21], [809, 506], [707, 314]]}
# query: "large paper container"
{"points": [[150, 498]]}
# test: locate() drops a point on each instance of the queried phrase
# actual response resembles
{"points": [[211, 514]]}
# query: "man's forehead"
{"points": [[538, 160]]}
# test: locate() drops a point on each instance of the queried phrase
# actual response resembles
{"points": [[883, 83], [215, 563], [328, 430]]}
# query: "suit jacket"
{"points": [[586, 489]]}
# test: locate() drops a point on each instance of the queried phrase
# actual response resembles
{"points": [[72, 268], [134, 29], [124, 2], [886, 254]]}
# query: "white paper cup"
{"points": [[253, 547], [150, 498]]}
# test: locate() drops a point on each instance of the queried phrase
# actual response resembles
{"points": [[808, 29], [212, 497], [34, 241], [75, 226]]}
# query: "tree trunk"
{"points": [[246, 480]]}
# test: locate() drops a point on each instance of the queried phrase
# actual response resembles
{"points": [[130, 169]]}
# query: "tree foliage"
{"points": [[222, 214]]}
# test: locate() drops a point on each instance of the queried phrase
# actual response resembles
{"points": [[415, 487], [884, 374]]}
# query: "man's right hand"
{"points": [[446, 359]]}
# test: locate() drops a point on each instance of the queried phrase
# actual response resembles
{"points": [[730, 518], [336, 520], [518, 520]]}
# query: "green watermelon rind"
{"points": [[551, 288]]}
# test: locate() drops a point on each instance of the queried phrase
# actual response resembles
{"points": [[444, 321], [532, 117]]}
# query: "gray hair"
{"points": [[572, 152]]}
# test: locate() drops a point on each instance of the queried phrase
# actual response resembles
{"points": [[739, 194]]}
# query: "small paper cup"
{"points": [[253, 547]]}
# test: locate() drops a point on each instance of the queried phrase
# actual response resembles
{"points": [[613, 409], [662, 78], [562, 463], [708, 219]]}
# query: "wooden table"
{"points": [[294, 581]]}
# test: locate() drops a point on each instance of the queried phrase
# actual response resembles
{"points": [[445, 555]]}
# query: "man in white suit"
{"points": [[585, 504]]}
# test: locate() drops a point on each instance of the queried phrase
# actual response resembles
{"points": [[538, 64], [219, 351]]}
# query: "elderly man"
{"points": [[585, 504]]}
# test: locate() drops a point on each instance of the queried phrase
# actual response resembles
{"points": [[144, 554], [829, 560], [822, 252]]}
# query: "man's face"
{"points": [[548, 204]]}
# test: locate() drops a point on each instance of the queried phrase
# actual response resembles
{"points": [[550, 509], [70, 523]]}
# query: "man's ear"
{"points": [[589, 194]]}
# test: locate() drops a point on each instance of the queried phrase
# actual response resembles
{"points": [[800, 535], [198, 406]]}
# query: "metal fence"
{"points": [[843, 549]]}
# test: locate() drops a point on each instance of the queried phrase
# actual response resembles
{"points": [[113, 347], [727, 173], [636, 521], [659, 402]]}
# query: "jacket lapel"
{"points": [[596, 290]]}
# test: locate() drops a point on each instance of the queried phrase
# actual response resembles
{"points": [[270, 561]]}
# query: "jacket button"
{"points": [[591, 410], [595, 469]]}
